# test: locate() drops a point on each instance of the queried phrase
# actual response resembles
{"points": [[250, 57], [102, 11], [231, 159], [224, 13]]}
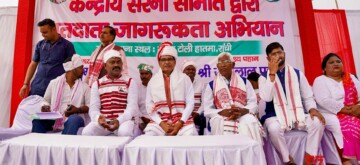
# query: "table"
{"points": [[7, 133], [296, 142], [197, 150], [57, 149]]}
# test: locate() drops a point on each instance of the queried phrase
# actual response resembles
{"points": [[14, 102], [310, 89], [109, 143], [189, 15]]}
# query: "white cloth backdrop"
{"points": [[7, 32], [352, 17]]}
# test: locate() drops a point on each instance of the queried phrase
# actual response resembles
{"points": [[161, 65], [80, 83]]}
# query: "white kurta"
{"points": [[261, 104], [126, 127], [329, 95], [248, 124], [142, 101], [153, 96], [267, 91], [212, 111], [199, 89], [51, 94], [315, 128]]}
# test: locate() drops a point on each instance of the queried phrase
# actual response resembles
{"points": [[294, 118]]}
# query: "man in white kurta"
{"points": [[113, 101], [96, 68], [287, 92], [228, 99], [146, 72], [254, 77], [69, 96], [189, 68], [169, 97]]}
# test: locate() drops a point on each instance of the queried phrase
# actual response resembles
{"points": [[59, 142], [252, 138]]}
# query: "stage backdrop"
{"points": [[7, 43], [200, 29], [353, 23]]}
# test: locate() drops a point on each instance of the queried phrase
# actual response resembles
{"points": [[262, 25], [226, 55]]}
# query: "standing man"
{"points": [[113, 101], [49, 55], [229, 100], [169, 97], [287, 92], [146, 72], [69, 96], [96, 68], [189, 68]]}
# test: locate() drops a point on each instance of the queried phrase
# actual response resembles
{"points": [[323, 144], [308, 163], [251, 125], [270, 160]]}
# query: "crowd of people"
{"points": [[174, 102]]}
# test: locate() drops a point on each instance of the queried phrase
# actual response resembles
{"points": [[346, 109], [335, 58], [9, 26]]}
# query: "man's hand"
{"points": [[273, 64], [178, 125], [71, 110], [225, 112], [167, 127], [237, 112], [24, 91], [196, 118], [113, 125], [45, 108], [313, 112], [102, 122], [145, 120]]}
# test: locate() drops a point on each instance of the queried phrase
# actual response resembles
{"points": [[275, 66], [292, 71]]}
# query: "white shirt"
{"points": [[261, 105], [66, 95], [199, 88], [131, 107], [142, 101], [329, 94], [209, 107], [267, 91], [189, 100]]}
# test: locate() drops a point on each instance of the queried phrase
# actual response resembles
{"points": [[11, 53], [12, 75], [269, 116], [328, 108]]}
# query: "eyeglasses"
{"points": [[277, 53], [224, 62], [166, 59]]}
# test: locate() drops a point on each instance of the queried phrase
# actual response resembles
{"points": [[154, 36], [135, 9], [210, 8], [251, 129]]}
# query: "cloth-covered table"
{"points": [[193, 150], [7, 133], [296, 142], [57, 149]]}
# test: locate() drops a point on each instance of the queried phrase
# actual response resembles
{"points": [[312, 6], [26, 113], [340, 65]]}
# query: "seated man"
{"points": [[287, 92], [170, 97], [145, 76], [113, 101], [254, 79], [189, 68], [228, 99], [68, 95]]}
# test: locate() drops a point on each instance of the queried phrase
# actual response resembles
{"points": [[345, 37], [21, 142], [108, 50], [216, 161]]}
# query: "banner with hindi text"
{"points": [[200, 29]]}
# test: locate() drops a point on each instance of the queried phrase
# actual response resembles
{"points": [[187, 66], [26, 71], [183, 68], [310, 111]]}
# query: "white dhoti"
{"points": [[125, 129], [315, 130], [153, 129], [247, 125]]}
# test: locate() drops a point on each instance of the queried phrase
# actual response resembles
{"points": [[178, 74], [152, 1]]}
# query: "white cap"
{"points": [[111, 53], [75, 62], [166, 48], [188, 63]]}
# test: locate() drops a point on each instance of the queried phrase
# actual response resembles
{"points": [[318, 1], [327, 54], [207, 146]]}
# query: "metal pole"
{"points": [[337, 5]]}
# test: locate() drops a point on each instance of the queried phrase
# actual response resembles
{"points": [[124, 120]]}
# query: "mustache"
{"points": [[116, 67]]}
